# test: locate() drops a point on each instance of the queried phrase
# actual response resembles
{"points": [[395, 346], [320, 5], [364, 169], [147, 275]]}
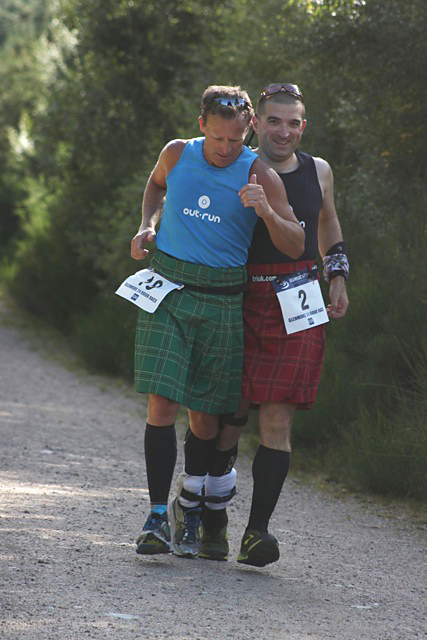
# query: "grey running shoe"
{"points": [[155, 536], [258, 548], [214, 544], [185, 525]]}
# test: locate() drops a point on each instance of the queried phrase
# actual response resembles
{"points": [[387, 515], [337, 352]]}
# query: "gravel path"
{"points": [[73, 498]]}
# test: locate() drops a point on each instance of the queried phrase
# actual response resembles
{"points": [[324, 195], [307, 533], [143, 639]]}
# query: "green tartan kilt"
{"points": [[191, 349]]}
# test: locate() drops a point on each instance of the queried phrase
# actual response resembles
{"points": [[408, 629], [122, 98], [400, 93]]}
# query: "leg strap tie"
{"points": [[229, 418], [193, 497]]}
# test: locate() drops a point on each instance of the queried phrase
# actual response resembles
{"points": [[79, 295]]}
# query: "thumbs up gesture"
{"points": [[253, 195]]}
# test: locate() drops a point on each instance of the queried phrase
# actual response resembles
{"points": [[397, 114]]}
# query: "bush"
{"points": [[104, 335]]}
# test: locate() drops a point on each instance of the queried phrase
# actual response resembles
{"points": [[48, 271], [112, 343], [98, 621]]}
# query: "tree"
{"points": [[21, 27]]}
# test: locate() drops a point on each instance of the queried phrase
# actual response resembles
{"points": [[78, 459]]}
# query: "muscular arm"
{"points": [[328, 235], [266, 193], [154, 194], [329, 226]]}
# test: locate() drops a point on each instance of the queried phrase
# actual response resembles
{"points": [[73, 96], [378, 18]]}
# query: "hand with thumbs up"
{"points": [[253, 195]]}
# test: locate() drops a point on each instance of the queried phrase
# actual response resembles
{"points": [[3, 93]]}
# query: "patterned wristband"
{"points": [[335, 265]]}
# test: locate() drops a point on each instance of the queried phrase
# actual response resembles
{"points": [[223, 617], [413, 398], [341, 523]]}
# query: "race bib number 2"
{"points": [[146, 289], [301, 301]]}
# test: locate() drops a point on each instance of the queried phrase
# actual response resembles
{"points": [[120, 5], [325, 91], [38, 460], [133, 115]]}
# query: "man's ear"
{"points": [[254, 123], [201, 125]]}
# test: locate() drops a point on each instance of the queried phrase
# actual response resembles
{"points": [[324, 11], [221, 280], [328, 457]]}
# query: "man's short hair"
{"points": [[226, 101], [279, 97]]}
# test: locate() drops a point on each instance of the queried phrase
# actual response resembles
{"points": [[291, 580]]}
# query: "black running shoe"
{"points": [[214, 544], [258, 548], [155, 536]]}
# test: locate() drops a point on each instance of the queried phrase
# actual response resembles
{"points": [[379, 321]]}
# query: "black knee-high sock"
{"points": [[269, 470], [198, 454], [160, 459], [223, 461]]}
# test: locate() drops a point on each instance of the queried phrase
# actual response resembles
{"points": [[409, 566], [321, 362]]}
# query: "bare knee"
{"points": [[203, 425], [232, 427], [275, 425], [161, 411], [228, 437]]}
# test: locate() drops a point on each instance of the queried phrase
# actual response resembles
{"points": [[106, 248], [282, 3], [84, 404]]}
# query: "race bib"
{"points": [[301, 301], [146, 289]]}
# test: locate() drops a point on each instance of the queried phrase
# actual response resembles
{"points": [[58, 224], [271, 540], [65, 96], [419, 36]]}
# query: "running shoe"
{"points": [[185, 526], [155, 536], [258, 548], [214, 544]]}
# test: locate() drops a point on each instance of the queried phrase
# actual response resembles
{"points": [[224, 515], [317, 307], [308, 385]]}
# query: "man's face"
{"points": [[223, 138], [279, 129]]}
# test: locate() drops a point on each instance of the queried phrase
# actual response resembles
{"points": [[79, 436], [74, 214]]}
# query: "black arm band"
{"points": [[338, 272], [335, 262], [338, 247]]}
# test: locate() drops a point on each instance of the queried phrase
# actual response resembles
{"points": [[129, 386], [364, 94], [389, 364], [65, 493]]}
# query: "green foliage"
{"points": [[385, 449], [104, 335], [264, 42], [21, 27], [46, 283], [12, 192]]}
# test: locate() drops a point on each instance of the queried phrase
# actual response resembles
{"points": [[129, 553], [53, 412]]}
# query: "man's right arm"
{"points": [[266, 193], [154, 194]]}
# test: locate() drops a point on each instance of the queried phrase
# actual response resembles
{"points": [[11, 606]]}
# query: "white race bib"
{"points": [[301, 301], [146, 289]]}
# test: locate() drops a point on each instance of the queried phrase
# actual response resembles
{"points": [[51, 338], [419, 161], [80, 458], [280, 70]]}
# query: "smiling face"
{"points": [[223, 138], [279, 127]]}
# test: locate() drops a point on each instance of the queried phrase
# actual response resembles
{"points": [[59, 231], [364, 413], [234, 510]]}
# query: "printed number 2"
{"points": [[302, 294]]}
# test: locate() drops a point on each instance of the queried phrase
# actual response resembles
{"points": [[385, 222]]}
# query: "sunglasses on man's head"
{"points": [[232, 102], [277, 87]]}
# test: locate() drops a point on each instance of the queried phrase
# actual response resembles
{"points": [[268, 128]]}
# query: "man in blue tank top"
{"points": [[281, 371], [189, 351]]}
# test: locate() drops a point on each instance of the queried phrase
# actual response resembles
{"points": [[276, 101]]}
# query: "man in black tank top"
{"points": [[189, 352], [281, 372]]}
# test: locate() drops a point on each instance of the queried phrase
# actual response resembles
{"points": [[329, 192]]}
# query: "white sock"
{"points": [[220, 486], [194, 484]]}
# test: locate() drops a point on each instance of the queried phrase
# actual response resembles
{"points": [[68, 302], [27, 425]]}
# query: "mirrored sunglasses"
{"points": [[232, 102], [277, 87]]}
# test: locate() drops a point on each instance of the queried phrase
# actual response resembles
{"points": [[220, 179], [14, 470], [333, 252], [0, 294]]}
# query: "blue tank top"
{"points": [[203, 219]]}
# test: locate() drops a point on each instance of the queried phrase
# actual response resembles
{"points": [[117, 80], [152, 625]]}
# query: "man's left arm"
{"points": [[331, 244]]}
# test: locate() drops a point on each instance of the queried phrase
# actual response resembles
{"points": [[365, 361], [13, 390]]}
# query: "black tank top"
{"points": [[305, 197]]}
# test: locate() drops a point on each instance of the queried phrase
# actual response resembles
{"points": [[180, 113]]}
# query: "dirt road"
{"points": [[73, 498]]}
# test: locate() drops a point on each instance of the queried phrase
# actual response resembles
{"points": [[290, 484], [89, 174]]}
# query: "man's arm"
{"points": [[330, 234], [267, 195], [154, 194]]}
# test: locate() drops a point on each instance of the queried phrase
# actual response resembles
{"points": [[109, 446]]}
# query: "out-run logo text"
{"points": [[203, 202]]}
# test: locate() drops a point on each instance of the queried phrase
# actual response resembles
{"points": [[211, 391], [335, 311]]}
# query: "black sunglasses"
{"points": [[277, 87]]}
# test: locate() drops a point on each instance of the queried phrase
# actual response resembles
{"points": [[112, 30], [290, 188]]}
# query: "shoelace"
{"points": [[192, 522], [153, 522]]}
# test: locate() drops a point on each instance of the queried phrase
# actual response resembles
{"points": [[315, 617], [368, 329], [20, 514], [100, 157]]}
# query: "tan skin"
{"points": [[280, 128], [265, 192]]}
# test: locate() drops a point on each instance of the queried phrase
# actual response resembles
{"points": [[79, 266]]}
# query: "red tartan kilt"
{"points": [[278, 367]]}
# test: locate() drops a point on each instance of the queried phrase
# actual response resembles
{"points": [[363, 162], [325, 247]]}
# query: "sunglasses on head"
{"points": [[277, 87], [232, 102]]}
